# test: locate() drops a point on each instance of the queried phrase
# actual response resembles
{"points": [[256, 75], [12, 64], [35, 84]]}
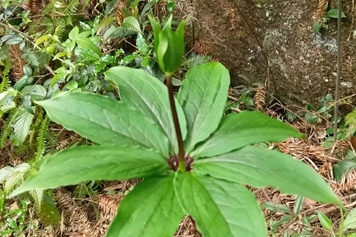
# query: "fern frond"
{"points": [[35, 58], [5, 81], [60, 29], [36, 124], [49, 9], [86, 189], [72, 7], [4, 52], [7, 128], [40, 138], [350, 121], [39, 119]]}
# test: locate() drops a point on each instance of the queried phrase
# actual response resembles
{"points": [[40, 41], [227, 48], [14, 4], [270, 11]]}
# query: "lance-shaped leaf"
{"points": [[220, 208], [105, 162], [203, 96], [150, 209], [104, 120], [238, 130], [260, 167], [149, 96]]}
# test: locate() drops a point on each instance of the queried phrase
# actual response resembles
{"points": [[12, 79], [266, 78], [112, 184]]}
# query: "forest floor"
{"points": [[89, 212]]}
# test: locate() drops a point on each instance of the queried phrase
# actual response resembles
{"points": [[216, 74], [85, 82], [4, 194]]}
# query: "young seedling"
{"points": [[194, 160]]}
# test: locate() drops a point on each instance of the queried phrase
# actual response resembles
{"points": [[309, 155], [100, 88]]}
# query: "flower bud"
{"points": [[169, 45]]}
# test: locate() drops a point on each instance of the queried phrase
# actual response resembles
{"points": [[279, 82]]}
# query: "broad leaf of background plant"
{"points": [[149, 96], [203, 95], [342, 168], [238, 130], [260, 167], [131, 23], [22, 124], [105, 162], [220, 208], [86, 43], [350, 220], [150, 209], [104, 120]]}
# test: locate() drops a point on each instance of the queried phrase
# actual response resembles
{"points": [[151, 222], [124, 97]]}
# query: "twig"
{"points": [[352, 19], [336, 111]]}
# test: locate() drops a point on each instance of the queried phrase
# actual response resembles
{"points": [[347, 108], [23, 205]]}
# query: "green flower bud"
{"points": [[169, 45]]}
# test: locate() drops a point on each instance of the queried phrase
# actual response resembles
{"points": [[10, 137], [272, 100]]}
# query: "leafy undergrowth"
{"points": [[88, 208]]}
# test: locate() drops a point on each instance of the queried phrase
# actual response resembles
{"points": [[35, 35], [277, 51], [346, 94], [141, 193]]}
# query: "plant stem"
{"points": [[181, 165], [338, 77]]}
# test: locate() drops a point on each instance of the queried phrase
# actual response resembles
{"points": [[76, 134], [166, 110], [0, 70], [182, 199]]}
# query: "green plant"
{"points": [[322, 113], [349, 224], [14, 223], [289, 216], [195, 162], [347, 132], [322, 16]]}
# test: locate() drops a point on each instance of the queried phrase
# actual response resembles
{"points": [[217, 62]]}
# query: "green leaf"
{"points": [[148, 95], [334, 13], [86, 55], [284, 220], [49, 212], [131, 23], [238, 130], [153, 205], [106, 162], [84, 34], [71, 85], [104, 23], [86, 43], [260, 167], [104, 120], [27, 104], [350, 118], [275, 207], [14, 40], [42, 39], [316, 27], [12, 176], [73, 34], [141, 44], [203, 95], [22, 124], [27, 70], [342, 168], [325, 221], [298, 205], [350, 220], [37, 92], [220, 208]]}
